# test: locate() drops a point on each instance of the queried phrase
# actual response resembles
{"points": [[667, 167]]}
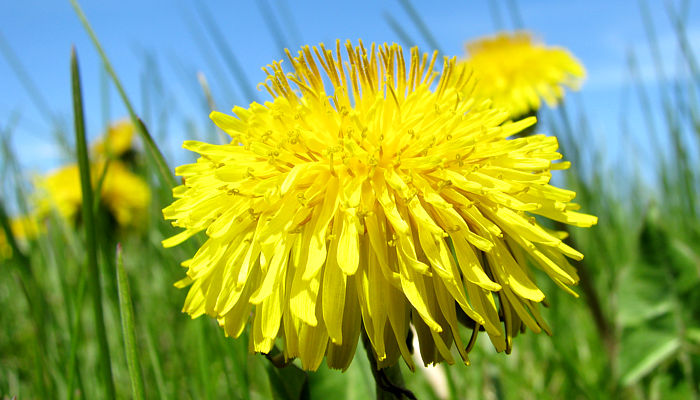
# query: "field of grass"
{"points": [[91, 312]]}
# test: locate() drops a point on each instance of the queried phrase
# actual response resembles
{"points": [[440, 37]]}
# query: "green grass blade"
{"points": [[203, 360], [421, 25], [515, 14], [496, 15], [126, 311], [149, 143], [10, 237], [288, 20], [683, 43], [89, 226], [105, 104], [281, 40], [35, 300], [156, 365], [35, 94], [398, 30], [100, 183], [222, 80], [75, 337], [229, 57], [239, 354]]}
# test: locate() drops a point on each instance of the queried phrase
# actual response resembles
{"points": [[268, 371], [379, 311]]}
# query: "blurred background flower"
{"points": [[117, 142], [23, 229], [517, 72], [123, 194]]}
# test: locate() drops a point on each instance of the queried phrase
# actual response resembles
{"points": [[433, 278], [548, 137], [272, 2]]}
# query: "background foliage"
{"points": [[634, 333]]}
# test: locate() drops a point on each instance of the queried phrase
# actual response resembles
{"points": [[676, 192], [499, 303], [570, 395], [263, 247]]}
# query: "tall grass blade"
{"points": [[105, 103], [288, 19], [149, 143], [281, 40], [398, 30], [496, 14], [515, 14], [421, 25], [35, 299], [75, 336], [126, 310], [34, 93], [684, 171], [156, 365], [209, 53], [657, 58], [203, 367], [229, 58], [645, 103], [90, 231], [683, 43], [10, 237]]}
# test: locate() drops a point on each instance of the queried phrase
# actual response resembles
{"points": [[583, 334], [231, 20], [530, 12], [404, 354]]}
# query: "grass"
{"points": [[71, 308]]}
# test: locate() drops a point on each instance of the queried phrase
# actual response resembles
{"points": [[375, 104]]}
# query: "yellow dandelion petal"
{"points": [[515, 71], [371, 192]]}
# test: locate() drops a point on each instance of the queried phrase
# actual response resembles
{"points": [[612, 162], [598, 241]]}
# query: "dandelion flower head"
{"points": [[516, 71], [117, 141], [370, 194], [124, 194], [23, 228]]}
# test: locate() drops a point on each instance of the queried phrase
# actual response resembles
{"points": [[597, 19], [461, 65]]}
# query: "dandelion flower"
{"points": [[117, 141], [370, 194], [23, 228], [515, 71], [125, 195]]}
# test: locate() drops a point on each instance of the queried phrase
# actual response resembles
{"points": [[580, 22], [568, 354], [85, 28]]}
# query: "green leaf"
{"points": [[644, 350], [686, 265], [665, 387], [693, 334], [643, 295]]}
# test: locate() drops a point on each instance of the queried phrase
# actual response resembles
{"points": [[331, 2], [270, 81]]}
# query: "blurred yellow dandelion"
{"points": [[118, 140], [124, 194], [515, 71], [370, 192], [60, 191], [23, 228]]}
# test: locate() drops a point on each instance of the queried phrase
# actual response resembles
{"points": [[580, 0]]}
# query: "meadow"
{"points": [[89, 309]]}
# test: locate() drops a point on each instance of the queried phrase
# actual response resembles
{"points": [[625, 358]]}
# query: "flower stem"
{"points": [[389, 381]]}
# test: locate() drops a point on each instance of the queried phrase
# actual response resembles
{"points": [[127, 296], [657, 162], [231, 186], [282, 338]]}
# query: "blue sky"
{"points": [[171, 35]]}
